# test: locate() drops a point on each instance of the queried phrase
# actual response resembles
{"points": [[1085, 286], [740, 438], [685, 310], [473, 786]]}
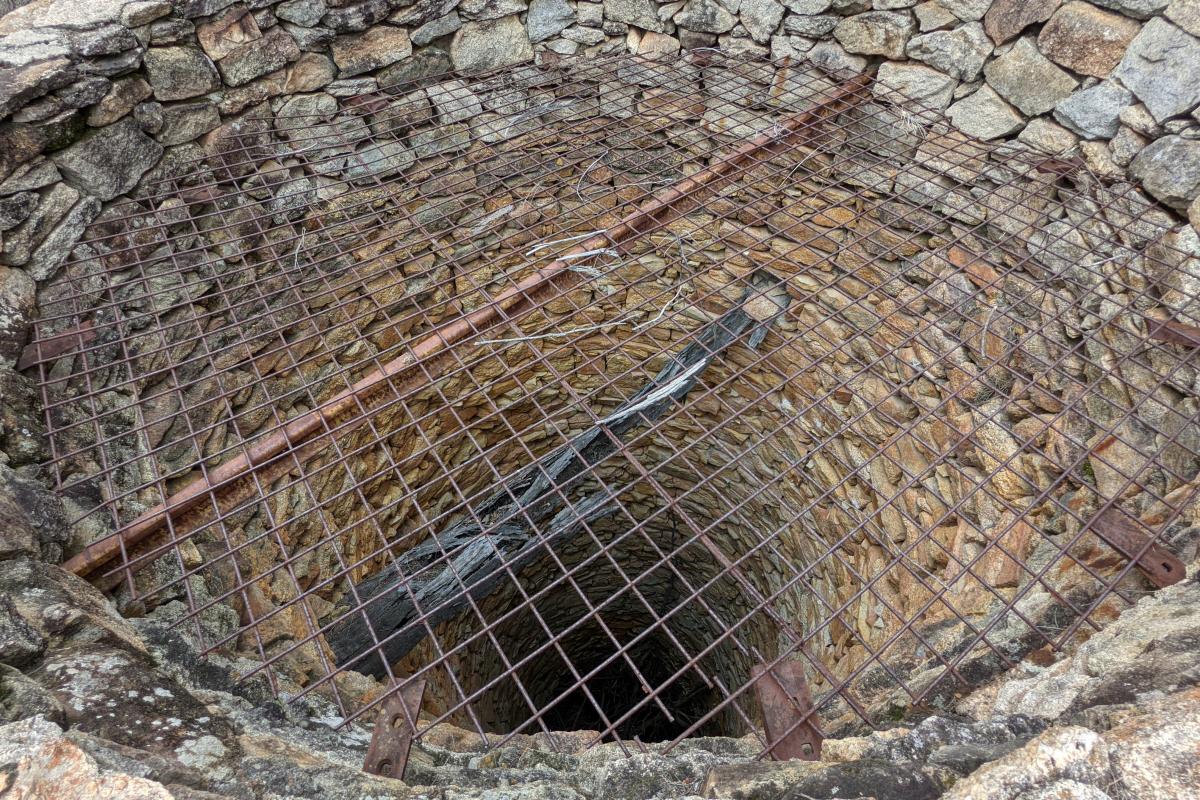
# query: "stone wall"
{"points": [[101, 98], [861, 231], [130, 79]]}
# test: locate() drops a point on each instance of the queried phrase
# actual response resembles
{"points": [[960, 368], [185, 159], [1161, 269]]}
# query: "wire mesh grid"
{"points": [[586, 391]]}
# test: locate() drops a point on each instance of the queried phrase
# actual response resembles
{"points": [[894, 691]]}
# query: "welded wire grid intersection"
{"points": [[410, 384]]}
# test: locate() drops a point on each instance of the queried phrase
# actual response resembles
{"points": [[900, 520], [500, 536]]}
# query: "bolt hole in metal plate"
{"points": [[581, 393]]}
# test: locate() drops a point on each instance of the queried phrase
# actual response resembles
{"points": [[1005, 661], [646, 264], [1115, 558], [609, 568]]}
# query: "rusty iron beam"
{"points": [[395, 729], [789, 718], [1130, 538]]}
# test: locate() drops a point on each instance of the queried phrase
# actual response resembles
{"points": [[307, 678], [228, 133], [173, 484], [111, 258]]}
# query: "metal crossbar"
{"points": [[619, 394]]}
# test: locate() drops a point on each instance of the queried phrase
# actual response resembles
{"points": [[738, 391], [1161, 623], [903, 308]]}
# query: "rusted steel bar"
{"points": [[789, 720], [395, 729], [652, 215], [1130, 538]]}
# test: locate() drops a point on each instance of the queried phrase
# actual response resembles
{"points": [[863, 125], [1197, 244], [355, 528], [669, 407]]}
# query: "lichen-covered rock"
{"points": [[1138, 9], [119, 696], [641, 13], [484, 45], [881, 33], [960, 52], [177, 73], [1027, 79], [1095, 113], [1085, 39], [1006, 19], [256, 58], [122, 96], [984, 114], [1047, 136], [23, 443], [186, 122], [44, 764], [761, 18], [1169, 168], [1073, 753], [301, 12], [813, 27], [109, 161], [32, 522], [915, 82], [17, 303], [707, 16], [1162, 67]]}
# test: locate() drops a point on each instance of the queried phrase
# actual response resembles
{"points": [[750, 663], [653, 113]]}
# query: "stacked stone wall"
{"points": [[93, 95]]}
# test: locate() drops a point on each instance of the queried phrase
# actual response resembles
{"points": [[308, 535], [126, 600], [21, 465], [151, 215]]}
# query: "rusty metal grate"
{"points": [[615, 395]]}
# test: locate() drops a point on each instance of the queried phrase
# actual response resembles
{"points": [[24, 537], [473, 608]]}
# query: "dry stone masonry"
{"points": [[100, 99], [92, 95]]}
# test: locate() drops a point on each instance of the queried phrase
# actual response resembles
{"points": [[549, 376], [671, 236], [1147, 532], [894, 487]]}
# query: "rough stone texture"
{"points": [[1169, 168], [1185, 14], [1006, 19], [256, 58], [967, 10], [177, 73], [960, 52], [488, 45], [985, 114], [110, 160], [124, 94], [1085, 39], [548, 17], [1138, 9], [881, 33], [186, 122], [1071, 753], [1095, 113], [378, 47], [46, 764], [761, 18], [1162, 67], [1154, 755], [634, 12], [706, 16], [816, 26], [932, 16], [1048, 136], [1126, 144], [1028, 80], [933, 88], [227, 32]]}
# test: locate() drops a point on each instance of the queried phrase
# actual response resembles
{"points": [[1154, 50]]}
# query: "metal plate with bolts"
{"points": [[1131, 539], [783, 694], [387, 754]]}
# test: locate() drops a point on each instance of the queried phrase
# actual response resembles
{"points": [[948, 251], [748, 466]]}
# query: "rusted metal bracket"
{"points": [[57, 345], [387, 755], [1129, 537], [1168, 330], [783, 695]]}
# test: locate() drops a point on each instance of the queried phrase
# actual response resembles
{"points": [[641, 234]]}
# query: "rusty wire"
{"points": [[958, 414]]}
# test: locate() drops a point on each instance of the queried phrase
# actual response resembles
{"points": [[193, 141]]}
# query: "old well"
{"points": [[916, 378]]}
